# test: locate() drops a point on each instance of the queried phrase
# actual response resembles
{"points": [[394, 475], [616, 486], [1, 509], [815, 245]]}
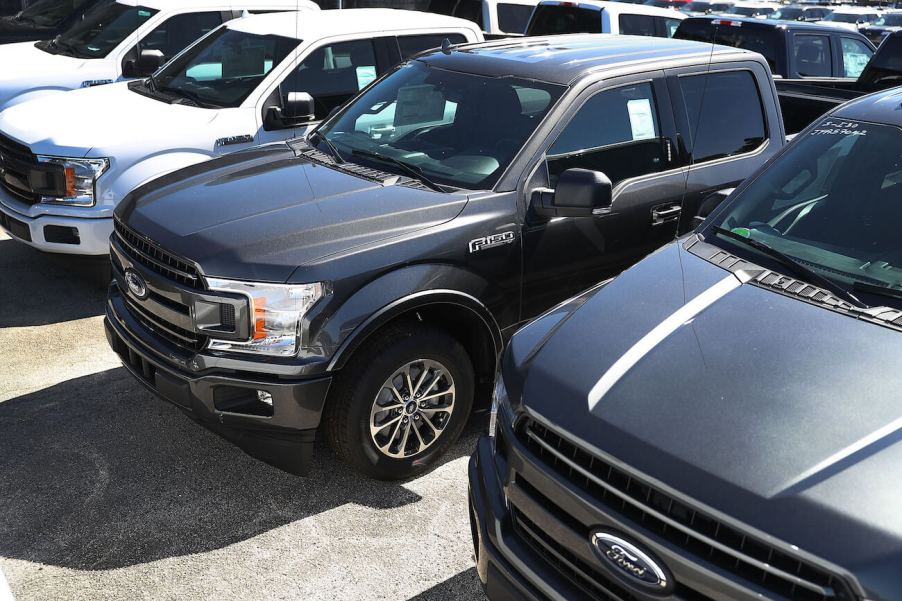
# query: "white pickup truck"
{"points": [[66, 160], [116, 40]]}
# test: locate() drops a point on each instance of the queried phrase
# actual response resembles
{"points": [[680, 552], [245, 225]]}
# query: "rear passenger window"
{"points": [[553, 19], [812, 55], [667, 26], [725, 114], [855, 55], [637, 25], [333, 74], [513, 18], [414, 44], [178, 32], [615, 132]]}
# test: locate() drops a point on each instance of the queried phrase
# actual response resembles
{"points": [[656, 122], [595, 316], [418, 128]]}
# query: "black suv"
{"points": [[371, 274], [722, 420]]}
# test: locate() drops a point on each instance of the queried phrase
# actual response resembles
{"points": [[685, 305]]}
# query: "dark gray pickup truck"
{"points": [[361, 282]]}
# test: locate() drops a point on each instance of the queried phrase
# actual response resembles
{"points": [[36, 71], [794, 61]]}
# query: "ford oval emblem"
{"points": [[631, 563], [136, 284]]}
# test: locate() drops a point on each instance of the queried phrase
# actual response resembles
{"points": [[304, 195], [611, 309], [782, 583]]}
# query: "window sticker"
{"points": [[832, 127], [365, 76], [419, 104], [641, 121]]}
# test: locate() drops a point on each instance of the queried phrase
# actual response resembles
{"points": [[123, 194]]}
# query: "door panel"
{"points": [[626, 131]]}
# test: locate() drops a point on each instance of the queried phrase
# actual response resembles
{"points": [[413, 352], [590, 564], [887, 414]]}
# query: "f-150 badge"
{"points": [[491, 241]]}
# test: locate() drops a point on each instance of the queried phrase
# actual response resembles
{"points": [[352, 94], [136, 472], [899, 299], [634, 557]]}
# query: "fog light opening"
{"points": [[264, 397]]}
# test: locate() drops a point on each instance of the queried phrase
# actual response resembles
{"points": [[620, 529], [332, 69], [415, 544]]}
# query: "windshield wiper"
{"points": [[186, 95], [411, 170], [877, 289], [332, 150], [799, 268]]}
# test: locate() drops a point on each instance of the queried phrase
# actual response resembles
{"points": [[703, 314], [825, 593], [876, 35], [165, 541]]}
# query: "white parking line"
{"points": [[5, 593]]}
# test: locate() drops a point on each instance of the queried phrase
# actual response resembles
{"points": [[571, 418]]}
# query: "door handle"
{"points": [[665, 214]]}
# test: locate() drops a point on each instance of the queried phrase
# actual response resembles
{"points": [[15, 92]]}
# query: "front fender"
{"points": [[398, 292]]}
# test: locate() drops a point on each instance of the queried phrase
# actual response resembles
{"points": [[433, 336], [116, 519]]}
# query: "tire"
{"points": [[362, 396]]}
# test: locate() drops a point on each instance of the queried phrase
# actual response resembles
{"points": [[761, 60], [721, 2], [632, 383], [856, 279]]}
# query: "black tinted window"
{"points": [[762, 40], [513, 18], [179, 32], [471, 10], [637, 25], [333, 74], [414, 44], [615, 132], [551, 19], [725, 114], [812, 55]]}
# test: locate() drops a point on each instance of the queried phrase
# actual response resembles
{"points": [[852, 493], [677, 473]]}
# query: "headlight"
{"points": [[276, 314], [499, 400], [77, 187]]}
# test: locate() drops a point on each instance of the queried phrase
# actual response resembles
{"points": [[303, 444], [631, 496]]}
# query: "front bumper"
{"points": [[226, 401], [57, 234]]}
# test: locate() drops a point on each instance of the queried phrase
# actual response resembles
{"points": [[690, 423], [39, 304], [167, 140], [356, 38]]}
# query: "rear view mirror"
{"points": [[579, 193]]}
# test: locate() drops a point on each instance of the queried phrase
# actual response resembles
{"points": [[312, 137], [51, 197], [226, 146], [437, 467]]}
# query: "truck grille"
{"points": [[162, 328], [153, 257], [707, 539], [16, 163]]}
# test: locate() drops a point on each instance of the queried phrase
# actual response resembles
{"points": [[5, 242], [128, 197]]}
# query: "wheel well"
{"points": [[468, 328]]}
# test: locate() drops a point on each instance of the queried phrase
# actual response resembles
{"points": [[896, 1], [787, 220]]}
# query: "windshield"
{"points": [[894, 20], [814, 205], [721, 8], [747, 11], [697, 7], [786, 14], [102, 28], [550, 19], [846, 17], [458, 129], [225, 67], [49, 13]]}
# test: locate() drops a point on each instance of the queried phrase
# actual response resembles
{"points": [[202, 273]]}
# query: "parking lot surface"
{"points": [[109, 493]]}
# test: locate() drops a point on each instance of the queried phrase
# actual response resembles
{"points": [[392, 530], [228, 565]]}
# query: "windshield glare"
{"points": [[225, 67], [461, 130], [49, 13], [889, 20], [814, 206], [103, 28]]}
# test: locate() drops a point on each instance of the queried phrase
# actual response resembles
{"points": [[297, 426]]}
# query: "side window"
{"points": [[513, 18], [333, 74], [471, 10], [725, 114], [178, 32], [855, 55], [812, 55], [414, 44], [637, 25], [616, 132], [667, 26]]}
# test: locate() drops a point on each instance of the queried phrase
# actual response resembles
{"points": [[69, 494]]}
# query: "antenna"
{"points": [[447, 46]]}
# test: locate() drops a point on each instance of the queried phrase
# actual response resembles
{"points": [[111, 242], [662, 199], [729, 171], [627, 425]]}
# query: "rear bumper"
{"points": [[281, 434]]}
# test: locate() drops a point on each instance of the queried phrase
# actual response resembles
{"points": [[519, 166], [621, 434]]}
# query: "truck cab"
{"points": [[255, 80], [361, 282], [116, 40]]}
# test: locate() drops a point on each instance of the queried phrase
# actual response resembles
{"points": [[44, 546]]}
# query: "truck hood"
{"points": [[780, 413], [261, 214], [27, 68], [109, 120]]}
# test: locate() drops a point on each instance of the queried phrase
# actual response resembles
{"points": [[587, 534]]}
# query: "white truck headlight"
{"points": [[277, 311], [79, 180]]}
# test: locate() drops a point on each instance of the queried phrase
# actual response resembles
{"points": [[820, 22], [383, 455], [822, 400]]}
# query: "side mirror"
{"points": [[579, 193], [707, 206], [147, 63], [298, 106]]}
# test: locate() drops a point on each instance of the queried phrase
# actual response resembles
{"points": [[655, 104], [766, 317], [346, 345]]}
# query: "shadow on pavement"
{"points": [[462, 586], [38, 288], [96, 473]]}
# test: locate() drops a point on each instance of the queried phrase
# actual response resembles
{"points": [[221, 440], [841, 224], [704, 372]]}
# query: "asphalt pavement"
{"points": [[109, 493]]}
